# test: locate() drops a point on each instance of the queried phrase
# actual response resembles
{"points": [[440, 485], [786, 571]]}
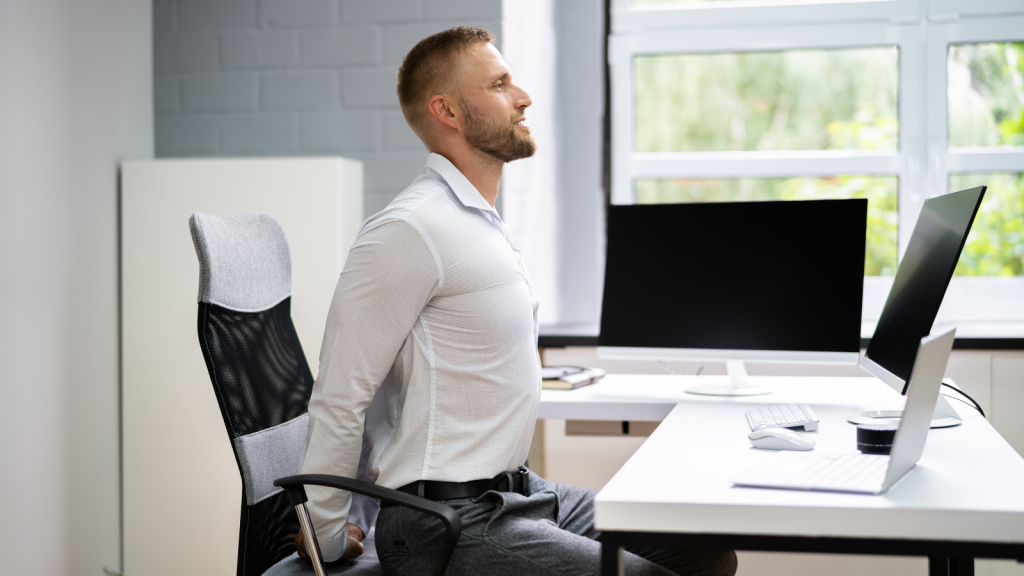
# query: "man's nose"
{"points": [[523, 99]]}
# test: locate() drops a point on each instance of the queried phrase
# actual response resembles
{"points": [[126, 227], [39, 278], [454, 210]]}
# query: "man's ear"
{"points": [[444, 110]]}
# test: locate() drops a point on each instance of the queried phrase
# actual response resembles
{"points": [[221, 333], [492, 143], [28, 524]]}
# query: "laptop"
{"points": [[867, 473]]}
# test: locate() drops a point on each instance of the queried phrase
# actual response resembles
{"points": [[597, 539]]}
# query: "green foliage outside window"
{"points": [[995, 245], [880, 257], [986, 94], [794, 100], [986, 109]]}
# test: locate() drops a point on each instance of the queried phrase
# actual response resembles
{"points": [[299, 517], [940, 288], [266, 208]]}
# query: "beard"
{"points": [[496, 138]]}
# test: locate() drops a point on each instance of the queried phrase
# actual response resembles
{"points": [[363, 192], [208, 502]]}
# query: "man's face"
{"points": [[493, 108]]}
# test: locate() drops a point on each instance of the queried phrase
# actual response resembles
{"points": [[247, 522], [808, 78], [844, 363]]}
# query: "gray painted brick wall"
{"points": [[297, 78], [317, 78]]}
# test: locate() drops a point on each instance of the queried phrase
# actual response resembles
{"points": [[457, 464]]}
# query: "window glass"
{"points": [[842, 99], [985, 94], [995, 244], [881, 192]]}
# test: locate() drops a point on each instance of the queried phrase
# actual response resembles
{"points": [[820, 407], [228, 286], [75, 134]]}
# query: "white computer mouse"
{"points": [[779, 439]]}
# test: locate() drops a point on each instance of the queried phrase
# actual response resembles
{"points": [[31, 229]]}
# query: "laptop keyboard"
{"points": [[853, 472], [782, 416]]}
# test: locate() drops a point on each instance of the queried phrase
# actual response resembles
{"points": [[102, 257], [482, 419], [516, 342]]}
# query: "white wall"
{"points": [[75, 97]]}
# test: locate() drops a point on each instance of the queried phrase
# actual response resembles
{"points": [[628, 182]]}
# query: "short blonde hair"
{"points": [[426, 70]]}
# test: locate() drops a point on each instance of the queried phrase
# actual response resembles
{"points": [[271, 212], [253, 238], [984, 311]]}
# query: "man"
{"points": [[429, 361]]}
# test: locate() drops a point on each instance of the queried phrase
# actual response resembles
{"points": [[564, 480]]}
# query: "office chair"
{"points": [[263, 384]]}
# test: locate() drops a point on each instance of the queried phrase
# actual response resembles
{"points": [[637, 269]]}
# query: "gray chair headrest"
{"points": [[244, 261]]}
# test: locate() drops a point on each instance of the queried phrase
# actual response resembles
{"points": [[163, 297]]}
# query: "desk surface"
{"points": [[652, 397], [968, 485]]}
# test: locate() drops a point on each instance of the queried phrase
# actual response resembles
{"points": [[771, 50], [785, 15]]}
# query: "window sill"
{"points": [[970, 335]]}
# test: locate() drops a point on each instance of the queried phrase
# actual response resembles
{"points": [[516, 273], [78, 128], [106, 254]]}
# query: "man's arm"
{"points": [[390, 275], [363, 512]]}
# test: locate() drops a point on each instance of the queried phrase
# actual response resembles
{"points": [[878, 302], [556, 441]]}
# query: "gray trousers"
{"points": [[549, 532]]}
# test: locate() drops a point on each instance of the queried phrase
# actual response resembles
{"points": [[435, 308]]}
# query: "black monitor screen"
{"points": [[777, 276], [922, 278]]}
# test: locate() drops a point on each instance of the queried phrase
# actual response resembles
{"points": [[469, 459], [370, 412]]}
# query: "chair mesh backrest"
{"points": [[259, 372]]}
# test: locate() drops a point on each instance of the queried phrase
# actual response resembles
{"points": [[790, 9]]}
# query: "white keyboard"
{"points": [[844, 472], [782, 416]]}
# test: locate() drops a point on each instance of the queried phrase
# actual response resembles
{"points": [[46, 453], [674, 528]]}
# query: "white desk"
{"points": [[965, 498], [651, 397]]}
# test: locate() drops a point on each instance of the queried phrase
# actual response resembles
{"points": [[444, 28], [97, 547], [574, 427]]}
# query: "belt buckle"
{"points": [[514, 481], [518, 480]]}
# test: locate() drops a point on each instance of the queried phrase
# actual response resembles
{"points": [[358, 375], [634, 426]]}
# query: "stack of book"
{"points": [[568, 377]]}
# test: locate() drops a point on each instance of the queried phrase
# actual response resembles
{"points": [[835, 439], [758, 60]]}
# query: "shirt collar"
{"points": [[464, 190]]}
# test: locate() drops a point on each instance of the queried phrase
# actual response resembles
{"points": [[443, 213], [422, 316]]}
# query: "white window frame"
{"points": [[627, 18], [922, 163], [979, 299], [954, 10]]}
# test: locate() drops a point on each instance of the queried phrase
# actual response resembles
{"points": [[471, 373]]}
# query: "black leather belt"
{"points": [[513, 481]]}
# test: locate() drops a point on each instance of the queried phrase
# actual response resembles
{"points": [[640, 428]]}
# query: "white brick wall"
{"points": [[341, 130], [218, 92], [256, 50], [400, 38], [215, 14], [249, 134], [344, 46], [445, 9], [185, 136], [292, 13], [167, 94], [297, 77], [185, 53], [377, 12], [314, 90]]}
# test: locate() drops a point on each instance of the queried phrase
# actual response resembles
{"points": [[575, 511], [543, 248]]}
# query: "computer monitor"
{"points": [[917, 292], [770, 281]]}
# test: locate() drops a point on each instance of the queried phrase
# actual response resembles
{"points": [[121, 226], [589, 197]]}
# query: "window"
{"points": [[985, 91], [889, 100], [840, 99]]}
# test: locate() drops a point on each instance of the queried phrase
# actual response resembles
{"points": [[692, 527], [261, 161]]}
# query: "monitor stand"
{"points": [[944, 417], [737, 386]]}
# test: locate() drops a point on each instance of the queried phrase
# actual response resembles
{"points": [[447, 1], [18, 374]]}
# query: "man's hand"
{"points": [[355, 544], [355, 532]]}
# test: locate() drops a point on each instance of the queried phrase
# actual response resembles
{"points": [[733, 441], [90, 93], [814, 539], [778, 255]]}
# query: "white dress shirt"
{"points": [[429, 364]]}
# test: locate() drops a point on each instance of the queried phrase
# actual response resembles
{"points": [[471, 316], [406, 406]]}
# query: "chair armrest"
{"points": [[294, 486]]}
